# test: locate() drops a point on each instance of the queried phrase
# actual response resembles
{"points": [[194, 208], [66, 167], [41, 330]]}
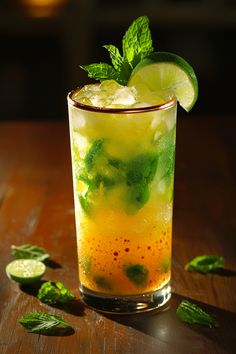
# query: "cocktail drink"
{"points": [[123, 170], [123, 154]]}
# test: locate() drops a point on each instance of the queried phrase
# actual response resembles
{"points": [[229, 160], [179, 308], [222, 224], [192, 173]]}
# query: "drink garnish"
{"points": [[167, 72], [136, 45], [45, 323], [159, 73], [193, 314], [25, 271], [29, 251], [205, 264], [54, 294]]}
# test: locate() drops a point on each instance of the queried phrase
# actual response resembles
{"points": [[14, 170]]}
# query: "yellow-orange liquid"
{"points": [[112, 240]]}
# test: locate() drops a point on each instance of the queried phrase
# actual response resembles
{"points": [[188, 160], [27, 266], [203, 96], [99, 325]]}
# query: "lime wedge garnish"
{"points": [[167, 72], [25, 271]]}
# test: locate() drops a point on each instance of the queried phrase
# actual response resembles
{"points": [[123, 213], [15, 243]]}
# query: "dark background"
{"points": [[43, 46]]}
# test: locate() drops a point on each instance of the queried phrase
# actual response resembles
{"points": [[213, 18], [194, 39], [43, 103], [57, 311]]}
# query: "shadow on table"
{"points": [[52, 264], [168, 329], [225, 272], [74, 307]]}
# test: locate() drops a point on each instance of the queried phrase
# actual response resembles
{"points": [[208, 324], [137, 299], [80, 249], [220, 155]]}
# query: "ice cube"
{"points": [[108, 94], [126, 96]]}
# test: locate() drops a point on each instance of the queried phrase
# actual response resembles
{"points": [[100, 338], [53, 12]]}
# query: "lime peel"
{"points": [[25, 271], [164, 71]]}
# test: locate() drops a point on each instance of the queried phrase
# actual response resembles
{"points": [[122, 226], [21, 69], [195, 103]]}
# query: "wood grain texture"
{"points": [[36, 206]]}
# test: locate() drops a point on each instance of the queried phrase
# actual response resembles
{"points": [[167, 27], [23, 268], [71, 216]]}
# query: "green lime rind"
{"points": [[164, 71], [25, 271]]}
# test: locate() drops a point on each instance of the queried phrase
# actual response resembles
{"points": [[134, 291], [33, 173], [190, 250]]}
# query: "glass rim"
{"points": [[162, 106]]}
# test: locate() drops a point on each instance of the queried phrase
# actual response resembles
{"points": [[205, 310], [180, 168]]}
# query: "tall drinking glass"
{"points": [[123, 178]]}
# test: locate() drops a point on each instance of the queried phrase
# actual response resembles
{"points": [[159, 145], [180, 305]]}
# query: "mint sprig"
{"points": [[136, 45]]}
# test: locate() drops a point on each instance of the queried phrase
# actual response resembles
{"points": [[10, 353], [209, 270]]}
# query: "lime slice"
{"points": [[25, 271], [167, 72]]}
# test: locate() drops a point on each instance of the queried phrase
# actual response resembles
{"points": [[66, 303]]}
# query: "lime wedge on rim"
{"points": [[163, 71], [25, 271]]}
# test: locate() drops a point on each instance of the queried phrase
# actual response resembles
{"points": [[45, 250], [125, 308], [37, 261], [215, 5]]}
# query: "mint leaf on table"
{"points": [[193, 314], [136, 45], [45, 323], [54, 294], [29, 251], [137, 273], [205, 264]]}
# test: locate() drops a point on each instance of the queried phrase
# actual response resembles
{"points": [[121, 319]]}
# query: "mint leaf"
{"points": [[84, 178], [54, 294], [86, 263], [191, 313], [137, 197], [114, 162], [85, 204], [101, 71], [94, 151], [137, 41], [45, 323], [104, 180], [120, 64], [140, 172], [124, 73], [29, 251], [205, 264], [137, 273], [102, 282], [142, 169], [116, 58], [165, 265]]}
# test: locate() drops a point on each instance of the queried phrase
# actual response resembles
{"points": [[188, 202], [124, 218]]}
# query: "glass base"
{"points": [[126, 304]]}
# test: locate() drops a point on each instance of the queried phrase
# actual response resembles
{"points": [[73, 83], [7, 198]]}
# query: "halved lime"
{"points": [[167, 72], [25, 271]]}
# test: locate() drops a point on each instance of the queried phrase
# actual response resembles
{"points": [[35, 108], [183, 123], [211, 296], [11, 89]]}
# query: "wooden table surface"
{"points": [[36, 206]]}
